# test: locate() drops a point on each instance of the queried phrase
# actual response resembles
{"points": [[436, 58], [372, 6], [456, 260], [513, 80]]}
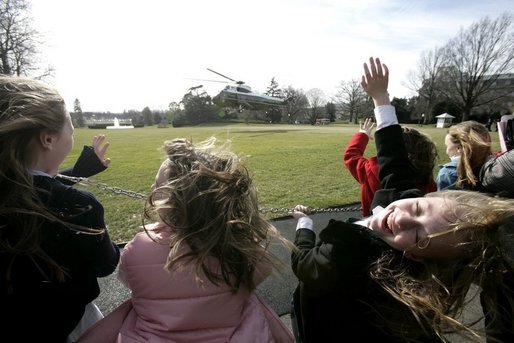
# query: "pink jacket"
{"points": [[177, 308]]}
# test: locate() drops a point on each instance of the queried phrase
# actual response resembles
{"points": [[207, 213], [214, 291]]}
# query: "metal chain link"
{"points": [[103, 186], [349, 208], [117, 190]]}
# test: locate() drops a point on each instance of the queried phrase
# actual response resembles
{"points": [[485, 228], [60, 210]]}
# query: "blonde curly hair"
{"points": [[210, 203]]}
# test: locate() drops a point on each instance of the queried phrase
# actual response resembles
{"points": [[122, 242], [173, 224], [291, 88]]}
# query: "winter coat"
{"points": [[497, 174], [447, 176], [176, 307], [34, 307], [365, 171]]}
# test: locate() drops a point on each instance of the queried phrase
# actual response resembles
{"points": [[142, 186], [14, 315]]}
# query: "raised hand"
{"points": [[100, 149], [375, 81], [367, 127]]}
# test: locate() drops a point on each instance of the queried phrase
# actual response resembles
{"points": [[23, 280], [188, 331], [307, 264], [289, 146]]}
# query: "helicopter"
{"points": [[240, 95]]}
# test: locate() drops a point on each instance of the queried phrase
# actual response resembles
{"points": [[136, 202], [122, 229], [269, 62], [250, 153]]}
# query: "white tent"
{"points": [[444, 120]]}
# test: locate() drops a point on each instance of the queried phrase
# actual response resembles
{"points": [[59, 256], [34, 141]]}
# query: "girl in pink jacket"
{"points": [[193, 272]]}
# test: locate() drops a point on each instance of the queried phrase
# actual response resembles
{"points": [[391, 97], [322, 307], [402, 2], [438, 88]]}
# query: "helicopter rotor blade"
{"points": [[208, 80], [195, 87], [215, 72]]}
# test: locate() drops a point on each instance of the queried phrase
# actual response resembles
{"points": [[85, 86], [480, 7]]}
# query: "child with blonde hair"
{"points": [[468, 144], [193, 272]]}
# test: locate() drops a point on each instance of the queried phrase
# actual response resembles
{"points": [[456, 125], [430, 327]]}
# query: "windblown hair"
{"points": [[475, 145], [210, 204], [27, 107], [435, 291], [422, 153]]}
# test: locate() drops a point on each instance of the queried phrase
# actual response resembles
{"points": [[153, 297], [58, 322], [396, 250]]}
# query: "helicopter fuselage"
{"points": [[242, 95]]}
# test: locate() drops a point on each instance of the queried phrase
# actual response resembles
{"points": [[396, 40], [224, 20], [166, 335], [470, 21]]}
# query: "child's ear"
{"points": [[46, 139]]}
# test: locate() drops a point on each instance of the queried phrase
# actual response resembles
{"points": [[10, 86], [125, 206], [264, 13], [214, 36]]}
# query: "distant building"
{"points": [[322, 121], [503, 84]]}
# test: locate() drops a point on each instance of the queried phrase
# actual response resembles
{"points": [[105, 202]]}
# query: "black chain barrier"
{"points": [[120, 191]]}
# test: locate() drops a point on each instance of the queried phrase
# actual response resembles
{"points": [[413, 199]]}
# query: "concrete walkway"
{"points": [[277, 289]]}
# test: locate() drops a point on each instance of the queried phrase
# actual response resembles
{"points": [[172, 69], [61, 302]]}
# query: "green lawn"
{"points": [[290, 164]]}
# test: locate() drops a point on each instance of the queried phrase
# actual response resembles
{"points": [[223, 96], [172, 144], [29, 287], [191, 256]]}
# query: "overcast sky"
{"points": [[116, 55]]}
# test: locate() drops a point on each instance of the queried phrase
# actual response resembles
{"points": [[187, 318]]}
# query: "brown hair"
{"points": [[422, 153], [210, 204]]}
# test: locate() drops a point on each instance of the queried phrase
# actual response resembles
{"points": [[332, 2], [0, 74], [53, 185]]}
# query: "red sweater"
{"points": [[365, 171]]}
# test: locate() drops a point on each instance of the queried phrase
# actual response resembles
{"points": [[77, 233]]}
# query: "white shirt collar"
{"points": [[40, 173], [365, 221]]}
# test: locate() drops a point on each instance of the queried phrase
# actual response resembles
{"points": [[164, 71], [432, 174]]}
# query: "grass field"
{"points": [[290, 164]]}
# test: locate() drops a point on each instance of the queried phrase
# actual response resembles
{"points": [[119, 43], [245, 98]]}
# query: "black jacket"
{"points": [[336, 298], [33, 308], [500, 328]]}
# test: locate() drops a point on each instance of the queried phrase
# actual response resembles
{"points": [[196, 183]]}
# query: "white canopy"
{"points": [[444, 120], [445, 116]]}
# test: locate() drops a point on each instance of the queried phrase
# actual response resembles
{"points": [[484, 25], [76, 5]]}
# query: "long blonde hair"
{"points": [[27, 107], [210, 203], [435, 291], [474, 142]]}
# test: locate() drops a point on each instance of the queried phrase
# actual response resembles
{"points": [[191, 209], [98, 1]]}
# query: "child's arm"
{"points": [[353, 156], [395, 169]]}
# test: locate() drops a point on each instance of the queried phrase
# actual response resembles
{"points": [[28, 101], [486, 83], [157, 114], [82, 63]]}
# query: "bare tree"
{"points": [[475, 59], [317, 100], [296, 103], [426, 81], [351, 98], [19, 41]]}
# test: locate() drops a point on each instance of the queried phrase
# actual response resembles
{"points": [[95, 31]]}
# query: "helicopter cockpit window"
{"points": [[243, 90]]}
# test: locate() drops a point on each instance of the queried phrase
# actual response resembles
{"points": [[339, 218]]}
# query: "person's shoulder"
{"points": [[448, 165], [344, 232], [143, 249], [152, 238], [353, 247], [61, 194], [78, 196]]}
